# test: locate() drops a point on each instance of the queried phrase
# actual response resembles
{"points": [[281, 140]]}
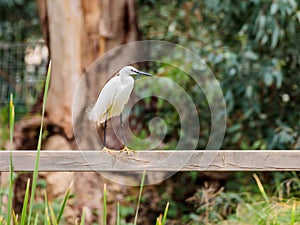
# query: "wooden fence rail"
{"points": [[181, 160]]}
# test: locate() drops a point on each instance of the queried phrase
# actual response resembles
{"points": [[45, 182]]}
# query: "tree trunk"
{"points": [[77, 32]]}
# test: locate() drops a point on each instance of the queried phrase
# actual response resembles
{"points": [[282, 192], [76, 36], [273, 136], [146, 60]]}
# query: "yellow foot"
{"points": [[111, 151], [127, 150]]}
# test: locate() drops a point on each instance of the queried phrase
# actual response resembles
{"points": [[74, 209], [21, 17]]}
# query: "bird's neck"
{"points": [[124, 77]]}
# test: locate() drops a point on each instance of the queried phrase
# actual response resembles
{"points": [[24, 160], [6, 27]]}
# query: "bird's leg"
{"points": [[104, 136], [125, 149], [122, 130], [104, 133]]}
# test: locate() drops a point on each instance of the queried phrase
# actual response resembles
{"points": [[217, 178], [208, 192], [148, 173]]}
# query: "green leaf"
{"points": [[165, 214], [279, 78], [118, 213], [293, 213], [46, 216], [15, 218], [234, 128], [250, 55], [36, 219], [62, 208], [261, 188], [140, 197], [262, 21], [52, 214], [275, 35], [11, 133], [25, 202], [274, 8], [265, 39], [104, 205], [36, 167], [298, 16], [82, 216], [249, 91], [293, 3], [268, 79]]}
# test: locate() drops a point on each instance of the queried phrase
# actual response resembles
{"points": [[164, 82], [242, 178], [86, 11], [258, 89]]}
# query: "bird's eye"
{"points": [[134, 71]]}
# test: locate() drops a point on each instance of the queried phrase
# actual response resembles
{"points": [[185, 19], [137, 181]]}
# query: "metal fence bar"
{"points": [[183, 160], [22, 71]]}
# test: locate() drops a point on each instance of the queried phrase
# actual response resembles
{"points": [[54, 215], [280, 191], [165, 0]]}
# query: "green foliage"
{"points": [[4, 121], [252, 48], [4, 130], [169, 125], [19, 23], [18, 20], [213, 208], [256, 76], [245, 208], [282, 212]]}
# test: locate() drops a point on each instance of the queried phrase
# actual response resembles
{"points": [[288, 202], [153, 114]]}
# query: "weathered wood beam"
{"points": [[183, 160]]}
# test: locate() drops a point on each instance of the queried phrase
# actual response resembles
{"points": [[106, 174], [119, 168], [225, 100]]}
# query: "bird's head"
{"points": [[130, 70]]}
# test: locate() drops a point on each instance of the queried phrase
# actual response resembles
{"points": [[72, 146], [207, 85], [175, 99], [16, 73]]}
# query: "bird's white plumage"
{"points": [[114, 96]]}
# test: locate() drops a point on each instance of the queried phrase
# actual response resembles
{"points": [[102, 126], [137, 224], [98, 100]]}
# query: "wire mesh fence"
{"points": [[22, 72]]}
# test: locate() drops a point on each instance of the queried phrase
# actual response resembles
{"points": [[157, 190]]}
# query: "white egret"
{"points": [[112, 99]]}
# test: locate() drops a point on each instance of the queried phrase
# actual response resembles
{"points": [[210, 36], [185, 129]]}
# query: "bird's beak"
{"points": [[142, 73]]}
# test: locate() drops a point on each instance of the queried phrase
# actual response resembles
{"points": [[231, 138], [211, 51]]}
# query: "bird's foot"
{"points": [[108, 150], [127, 150]]}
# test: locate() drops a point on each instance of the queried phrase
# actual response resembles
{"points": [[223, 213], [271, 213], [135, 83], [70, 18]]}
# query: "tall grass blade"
{"points": [[46, 217], [83, 216], [62, 208], [24, 209], [15, 218], [104, 205], [293, 219], [140, 197], [35, 173], [158, 220], [53, 218], [261, 188], [161, 220], [118, 213], [11, 120], [36, 219], [165, 214], [11, 133], [1, 205]]}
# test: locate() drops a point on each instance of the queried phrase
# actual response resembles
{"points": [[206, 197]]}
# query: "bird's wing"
{"points": [[105, 100], [122, 97]]}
